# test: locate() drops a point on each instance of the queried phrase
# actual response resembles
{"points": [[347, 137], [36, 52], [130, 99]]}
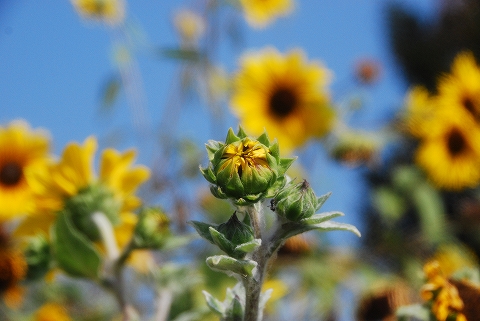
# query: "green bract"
{"points": [[245, 170], [297, 201]]}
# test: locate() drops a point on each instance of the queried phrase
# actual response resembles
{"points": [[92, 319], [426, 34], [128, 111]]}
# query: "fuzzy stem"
{"points": [[253, 285]]}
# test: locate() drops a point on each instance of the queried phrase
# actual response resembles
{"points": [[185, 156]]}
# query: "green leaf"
{"points": [[235, 311], [74, 253], [221, 241], [203, 230], [319, 218], [214, 304], [249, 246], [231, 266], [181, 54], [335, 226]]}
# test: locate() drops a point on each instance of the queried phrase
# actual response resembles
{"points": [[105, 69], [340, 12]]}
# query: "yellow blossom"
{"points": [[259, 13]]}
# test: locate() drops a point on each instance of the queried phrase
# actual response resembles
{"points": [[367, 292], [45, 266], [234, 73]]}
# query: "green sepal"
{"points": [[74, 253], [231, 137], [275, 151], [278, 185], [264, 139], [208, 174], [212, 146], [241, 133], [321, 200], [319, 218], [214, 304], [217, 192], [203, 230], [230, 265], [285, 164], [249, 246]]}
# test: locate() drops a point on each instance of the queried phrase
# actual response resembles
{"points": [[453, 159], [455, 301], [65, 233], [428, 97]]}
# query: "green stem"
{"points": [[253, 285]]}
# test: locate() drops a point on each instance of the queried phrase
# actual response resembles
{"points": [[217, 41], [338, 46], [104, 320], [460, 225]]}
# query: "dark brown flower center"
{"points": [[456, 142], [10, 173], [282, 102], [471, 107]]}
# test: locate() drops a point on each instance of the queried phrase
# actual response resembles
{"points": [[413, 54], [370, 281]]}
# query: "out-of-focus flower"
{"points": [[367, 71], [443, 295], [450, 154], [51, 312], [355, 148], [279, 290], [461, 87], [71, 183], [420, 111], [21, 149], [190, 26], [296, 245], [13, 269], [109, 11], [259, 13], [283, 94]]}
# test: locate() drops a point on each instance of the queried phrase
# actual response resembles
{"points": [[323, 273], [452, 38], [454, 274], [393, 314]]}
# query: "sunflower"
{"points": [[450, 154], [284, 95], [461, 87], [73, 175], [421, 109], [21, 149], [110, 11], [259, 13]]}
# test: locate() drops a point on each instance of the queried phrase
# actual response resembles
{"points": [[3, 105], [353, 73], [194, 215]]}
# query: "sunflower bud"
{"points": [[37, 256], [245, 170], [152, 229], [295, 201], [235, 231], [86, 202]]}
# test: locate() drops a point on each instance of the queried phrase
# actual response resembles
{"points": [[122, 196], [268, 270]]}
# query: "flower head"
{"points": [[259, 13], [284, 95], [110, 11], [244, 169], [21, 149]]}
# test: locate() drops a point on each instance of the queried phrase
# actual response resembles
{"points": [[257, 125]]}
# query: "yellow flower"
{"points": [[52, 312], [450, 154], [445, 298], [259, 13], [74, 173], [190, 25], [420, 113], [284, 95], [461, 87], [21, 149], [110, 11]]}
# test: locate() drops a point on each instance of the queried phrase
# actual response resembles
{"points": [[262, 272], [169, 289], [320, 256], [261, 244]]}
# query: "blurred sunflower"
{"points": [[461, 87], [420, 111], [65, 183], [52, 312], [20, 150], [13, 269], [259, 13], [284, 95], [110, 11], [450, 155]]}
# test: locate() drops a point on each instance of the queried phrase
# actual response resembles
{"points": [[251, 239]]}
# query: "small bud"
{"points": [[152, 229], [37, 256], [295, 201], [245, 170], [235, 231], [94, 198]]}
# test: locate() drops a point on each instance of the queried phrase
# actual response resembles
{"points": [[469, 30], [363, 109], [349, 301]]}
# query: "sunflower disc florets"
{"points": [[244, 169]]}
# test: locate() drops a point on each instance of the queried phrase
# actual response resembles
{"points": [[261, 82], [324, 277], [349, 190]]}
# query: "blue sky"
{"points": [[53, 66]]}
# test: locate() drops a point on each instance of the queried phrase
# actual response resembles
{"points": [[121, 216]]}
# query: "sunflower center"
{"points": [[10, 173], [282, 102], [245, 154], [470, 106], [456, 142]]}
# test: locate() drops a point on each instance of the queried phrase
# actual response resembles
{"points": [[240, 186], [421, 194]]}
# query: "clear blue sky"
{"points": [[53, 64]]}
